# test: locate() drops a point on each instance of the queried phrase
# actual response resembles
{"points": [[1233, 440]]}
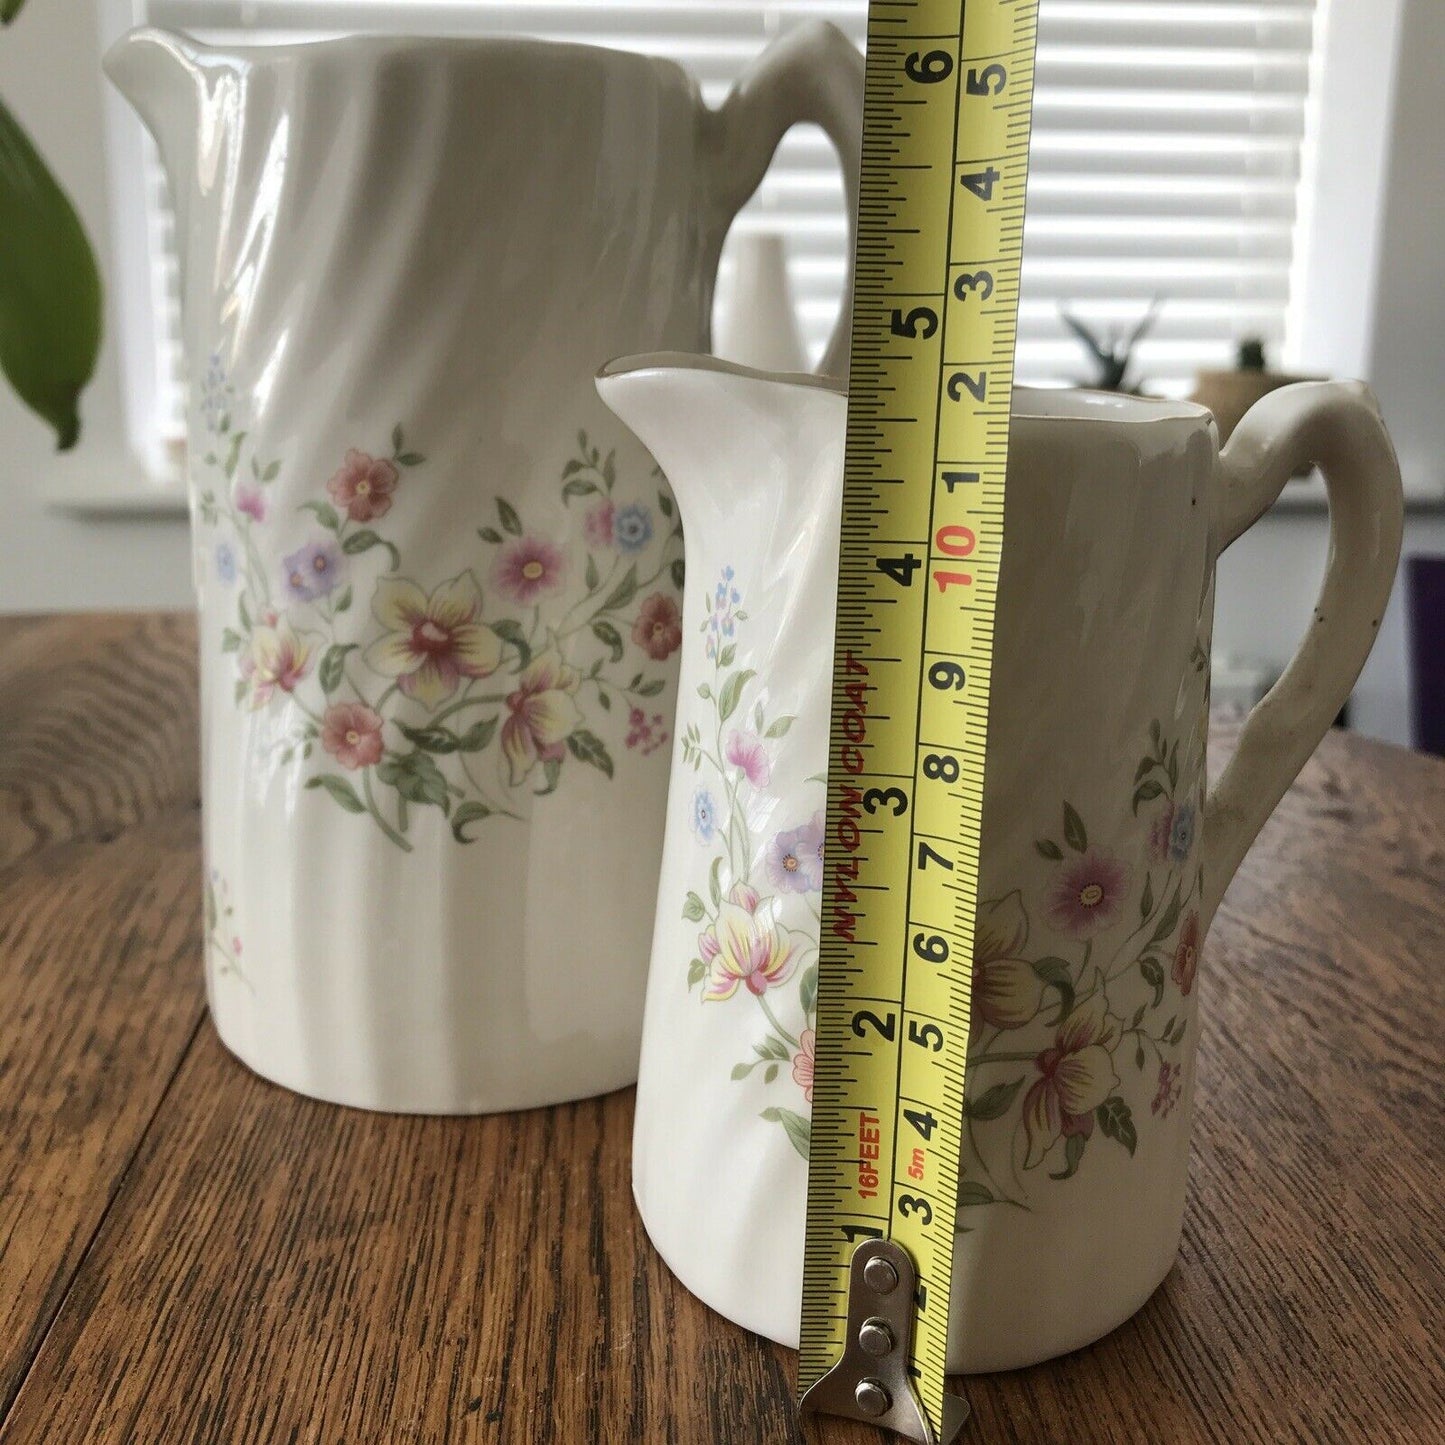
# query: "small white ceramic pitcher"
{"points": [[1104, 855], [438, 583]]}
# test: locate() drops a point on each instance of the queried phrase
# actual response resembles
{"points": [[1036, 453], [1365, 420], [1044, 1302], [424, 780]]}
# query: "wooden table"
{"points": [[189, 1254]]}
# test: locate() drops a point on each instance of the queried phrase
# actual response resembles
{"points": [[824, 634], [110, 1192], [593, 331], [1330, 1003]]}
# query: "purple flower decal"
{"points": [[795, 858], [313, 571]]}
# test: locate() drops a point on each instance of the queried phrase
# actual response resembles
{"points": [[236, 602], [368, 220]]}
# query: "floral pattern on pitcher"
{"points": [[223, 942], [471, 694], [759, 915]]}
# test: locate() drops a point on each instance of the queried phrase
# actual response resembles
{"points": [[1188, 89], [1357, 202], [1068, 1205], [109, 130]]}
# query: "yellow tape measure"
{"points": [[949, 106]]}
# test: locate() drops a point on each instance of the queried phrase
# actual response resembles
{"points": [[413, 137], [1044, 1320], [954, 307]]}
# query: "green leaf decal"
{"points": [[489, 534], [333, 666], [325, 514], [992, 1103], [1146, 899], [1169, 917], [970, 1194], [714, 881], [808, 989], [339, 789], [1073, 1153], [1117, 1121], [732, 693], [1056, 973], [623, 593], [1146, 792], [365, 540], [465, 815], [510, 630], [417, 778], [696, 972], [780, 728], [587, 747], [650, 688], [678, 573], [609, 636], [1074, 834], [796, 1127], [593, 576], [693, 909], [50, 290], [1049, 849], [511, 522]]}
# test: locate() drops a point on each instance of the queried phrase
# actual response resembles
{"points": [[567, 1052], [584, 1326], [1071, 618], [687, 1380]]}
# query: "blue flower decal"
{"points": [[225, 563], [704, 816], [632, 528]]}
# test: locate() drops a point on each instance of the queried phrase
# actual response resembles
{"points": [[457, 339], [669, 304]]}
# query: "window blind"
{"points": [[1166, 155]]}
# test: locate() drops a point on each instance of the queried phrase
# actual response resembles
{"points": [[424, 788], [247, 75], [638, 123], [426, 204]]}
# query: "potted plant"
{"points": [[1229, 394], [50, 290]]}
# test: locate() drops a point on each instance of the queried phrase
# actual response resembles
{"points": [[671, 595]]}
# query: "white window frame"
{"points": [[1346, 151]]}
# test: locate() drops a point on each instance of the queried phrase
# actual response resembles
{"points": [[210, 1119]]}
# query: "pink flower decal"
{"points": [[745, 946], [1088, 893], [351, 733], [249, 500], [1076, 1075], [646, 735], [804, 1061], [363, 486], [432, 642], [1007, 993], [542, 715], [597, 526], [1168, 1092], [746, 751], [1186, 955], [658, 628], [276, 661], [527, 568]]}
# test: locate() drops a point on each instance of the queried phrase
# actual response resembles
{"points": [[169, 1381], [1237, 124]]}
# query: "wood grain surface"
{"points": [[193, 1255]]}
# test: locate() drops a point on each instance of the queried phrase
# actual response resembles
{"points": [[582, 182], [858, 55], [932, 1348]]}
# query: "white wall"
{"points": [[1268, 582], [48, 77]]}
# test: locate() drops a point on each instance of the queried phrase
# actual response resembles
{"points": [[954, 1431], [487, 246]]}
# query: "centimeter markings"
{"points": [[949, 98]]}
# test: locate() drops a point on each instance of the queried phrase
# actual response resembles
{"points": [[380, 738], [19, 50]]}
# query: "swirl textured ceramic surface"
{"points": [[439, 585], [1104, 857]]}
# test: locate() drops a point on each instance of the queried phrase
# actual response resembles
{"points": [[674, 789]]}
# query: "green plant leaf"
{"points": [[50, 290], [992, 1103], [339, 789], [796, 1127], [1117, 1121], [732, 693], [467, 814], [587, 747], [9, 9]]}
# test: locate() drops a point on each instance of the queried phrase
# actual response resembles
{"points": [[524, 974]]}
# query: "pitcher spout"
{"points": [[727, 436], [163, 76]]}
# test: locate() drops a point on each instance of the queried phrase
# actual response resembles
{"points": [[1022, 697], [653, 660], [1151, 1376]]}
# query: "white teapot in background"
{"points": [[438, 583], [1105, 854]]}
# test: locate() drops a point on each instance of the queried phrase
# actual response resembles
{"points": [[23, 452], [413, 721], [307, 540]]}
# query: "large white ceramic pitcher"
{"points": [[1104, 856], [438, 583]]}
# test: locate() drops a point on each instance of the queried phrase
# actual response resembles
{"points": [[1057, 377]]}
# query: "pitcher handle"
{"points": [[1336, 426], [812, 73]]}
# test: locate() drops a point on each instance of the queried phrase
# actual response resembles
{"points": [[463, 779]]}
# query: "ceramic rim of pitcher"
{"points": [[1075, 404]]}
